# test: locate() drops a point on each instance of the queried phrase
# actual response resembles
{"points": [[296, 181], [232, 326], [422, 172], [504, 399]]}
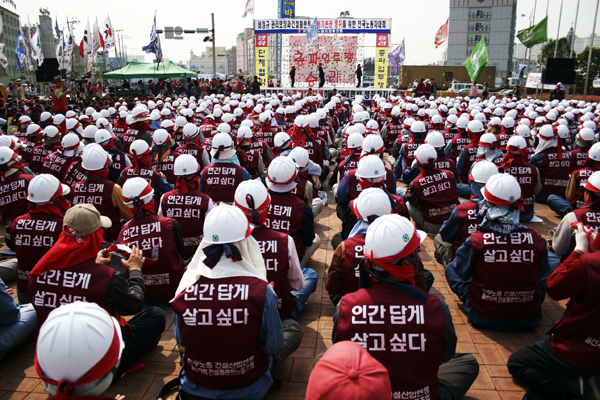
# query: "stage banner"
{"points": [[326, 25], [381, 58], [262, 62], [338, 54]]}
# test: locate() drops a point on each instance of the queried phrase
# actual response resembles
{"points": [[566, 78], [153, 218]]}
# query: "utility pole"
{"points": [[587, 72], [212, 15]]}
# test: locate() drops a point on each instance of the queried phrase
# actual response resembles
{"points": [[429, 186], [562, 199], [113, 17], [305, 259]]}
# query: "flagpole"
{"points": [[587, 73], [574, 30], [558, 30]]}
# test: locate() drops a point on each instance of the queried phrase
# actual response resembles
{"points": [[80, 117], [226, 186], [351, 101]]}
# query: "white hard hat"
{"points": [[70, 141], [160, 137], [517, 141], [247, 123], [462, 123], [371, 202], [185, 164], [139, 148], [502, 189], [50, 131], [79, 339], [89, 111], [370, 167], [475, 126], [300, 156], [238, 112], [58, 119], [45, 116], [70, 114], [426, 154], [42, 188], [33, 129], [102, 135], [90, 131], [225, 224], [245, 132], [372, 144], [281, 175], [590, 124], [167, 124], [140, 114], [546, 132], [395, 111], [105, 113], [436, 119], [482, 170], [594, 152], [251, 195], [223, 144], [495, 121], [180, 122], [563, 131], [224, 128], [102, 123], [354, 141], [593, 182], [281, 139], [137, 188], [523, 131], [301, 121], [190, 130], [377, 239], [24, 119], [417, 127], [72, 123], [436, 139], [508, 122], [372, 124], [487, 139], [95, 158], [227, 118]]}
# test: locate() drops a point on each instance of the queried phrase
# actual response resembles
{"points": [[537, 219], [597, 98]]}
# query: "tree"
{"points": [[581, 66], [564, 49]]}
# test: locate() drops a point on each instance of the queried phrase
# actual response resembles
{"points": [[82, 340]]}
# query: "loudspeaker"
{"points": [[48, 70], [560, 70]]}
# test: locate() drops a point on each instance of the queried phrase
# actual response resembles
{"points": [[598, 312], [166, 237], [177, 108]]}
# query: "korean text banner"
{"points": [[381, 57], [337, 54], [326, 25], [287, 8], [262, 62]]}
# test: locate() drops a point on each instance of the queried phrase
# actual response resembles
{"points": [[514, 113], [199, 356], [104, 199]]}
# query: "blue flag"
{"points": [[20, 50], [397, 56], [154, 46], [312, 32], [58, 31], [521, 74]]}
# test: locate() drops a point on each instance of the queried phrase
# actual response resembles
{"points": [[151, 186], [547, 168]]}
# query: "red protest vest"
{"points": [[194, 150], [468, 223], [354, 250], [219, 181], [554, 172], [252, 157], [189, 210], [229, 311], [56, 164], [300, 188], [354, 187], [578, 157], [458, 143], [147, 233], [86, 281], [13, 192], [285, 216], [576, 335], [445, 163], [166, 166], [207, 144], [32, 236], [315, 150], [409, 152], [581, 176], [99, 193], [37, 157], [437, 194], [266, 135], [274, 249], [120, 128], [471, 155], [58, 104], [589, 217], [526, 174], [74, 173], [449, 134], [347, 164], [27, 147], [131, 135], [261, 148], [394, 129], [506, 285], [207, 127], [406, 336], [502, 139]]}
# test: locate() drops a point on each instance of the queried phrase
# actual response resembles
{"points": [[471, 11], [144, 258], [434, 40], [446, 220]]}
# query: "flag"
{"points": [[397, 56], [88, 40], [478, 60], [154, 45], [58, 31], [249, 8], [534, 35], [0, 23], [521, 74], [108, 35], [312, 32], [441, 35], [98, 41], [60, 50], [36, 48], [20, 49], [68, 45]]}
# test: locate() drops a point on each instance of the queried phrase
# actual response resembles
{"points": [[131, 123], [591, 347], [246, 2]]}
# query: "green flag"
{"points": [[535, 35], [478, 60]]}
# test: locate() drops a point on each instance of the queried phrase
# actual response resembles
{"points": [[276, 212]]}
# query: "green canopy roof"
{"points": [[148, 70]]}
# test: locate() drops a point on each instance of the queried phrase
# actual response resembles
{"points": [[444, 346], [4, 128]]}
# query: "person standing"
{"points": [[321, 76], [255, 86], [473, 90], [59, 99], [359, 75], [293, 75], [433, 87]]}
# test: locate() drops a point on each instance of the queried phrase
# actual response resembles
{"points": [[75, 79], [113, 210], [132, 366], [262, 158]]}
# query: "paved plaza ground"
{"points": [[18, 379]]}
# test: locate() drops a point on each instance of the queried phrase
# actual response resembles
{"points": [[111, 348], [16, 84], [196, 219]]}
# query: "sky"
{"points": [[415, 20]]}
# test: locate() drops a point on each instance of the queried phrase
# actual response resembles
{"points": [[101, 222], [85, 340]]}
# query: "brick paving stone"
{"points": [[14, 396], [482, 395]]}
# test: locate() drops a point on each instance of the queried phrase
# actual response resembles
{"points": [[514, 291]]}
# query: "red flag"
{"points": [[441, 35], [81, 50]]}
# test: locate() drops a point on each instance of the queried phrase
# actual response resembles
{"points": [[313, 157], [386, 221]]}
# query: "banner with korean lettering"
{"points": [[381, 59], [338, 54], [326, 25], [287, 8], [262, 62]]}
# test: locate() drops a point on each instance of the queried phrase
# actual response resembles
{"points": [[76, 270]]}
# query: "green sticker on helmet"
{"points": [[185, 170], [405, 237], [376, 171], [512, 198], [215, 238]]}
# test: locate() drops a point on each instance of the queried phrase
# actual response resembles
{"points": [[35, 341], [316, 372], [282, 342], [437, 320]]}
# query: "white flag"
{"points": [[249, 8], [88, 39], [60, 50], [1, 24], [108, 34], [97, 39], [36, 47], [3, 59], [69, 42]]}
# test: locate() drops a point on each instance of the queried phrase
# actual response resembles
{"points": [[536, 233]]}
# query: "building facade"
{"points": [[471, 19], [10, 31], [231, 57], [47, 39]]}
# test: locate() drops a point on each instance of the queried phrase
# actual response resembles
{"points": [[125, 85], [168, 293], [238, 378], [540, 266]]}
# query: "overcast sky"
{"points": [[415, 20]]}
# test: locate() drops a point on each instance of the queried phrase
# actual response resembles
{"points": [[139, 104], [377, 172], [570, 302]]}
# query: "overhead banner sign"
{"points": [[287, 8], [325, 25], [262, 53], [381, 57]]}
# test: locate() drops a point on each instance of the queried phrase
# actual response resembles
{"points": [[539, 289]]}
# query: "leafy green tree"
{"points": [[581, 66]]}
